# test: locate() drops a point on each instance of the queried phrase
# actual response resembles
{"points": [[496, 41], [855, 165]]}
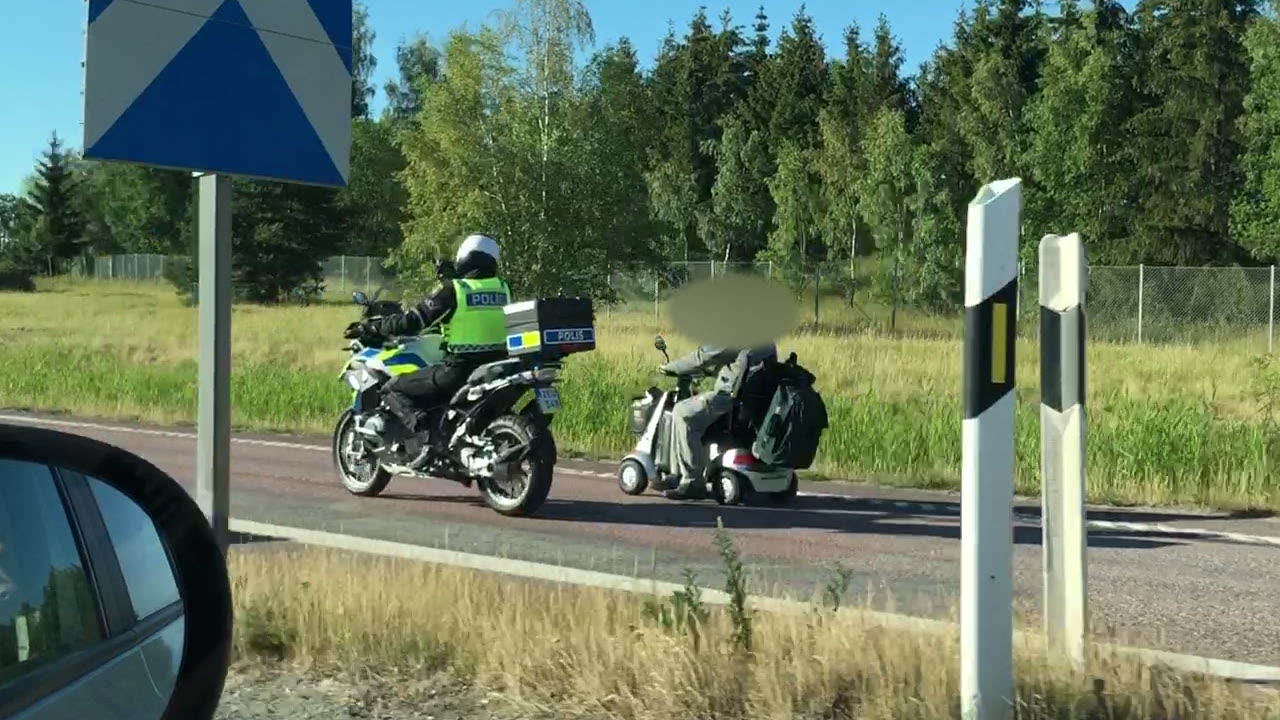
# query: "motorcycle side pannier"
{"points": [[552, 327]]}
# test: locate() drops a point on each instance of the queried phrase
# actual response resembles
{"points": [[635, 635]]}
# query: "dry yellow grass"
{"points": [[589, 653]]}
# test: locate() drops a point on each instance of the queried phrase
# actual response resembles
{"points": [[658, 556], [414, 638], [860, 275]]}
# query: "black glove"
{"points": [[359, 329]]}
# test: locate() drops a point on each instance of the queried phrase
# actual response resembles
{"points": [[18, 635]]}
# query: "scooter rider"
{"points": [[469, 310], [692, 416]]}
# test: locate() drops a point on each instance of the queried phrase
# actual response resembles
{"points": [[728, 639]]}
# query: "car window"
{"points": [[143, 561], [47, 608]]}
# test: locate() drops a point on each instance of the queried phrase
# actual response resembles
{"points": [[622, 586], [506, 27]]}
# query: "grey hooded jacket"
{"points": [[730, 364]]}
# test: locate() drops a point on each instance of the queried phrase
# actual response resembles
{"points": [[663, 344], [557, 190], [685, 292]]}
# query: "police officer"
{"points": [[469, 310]]}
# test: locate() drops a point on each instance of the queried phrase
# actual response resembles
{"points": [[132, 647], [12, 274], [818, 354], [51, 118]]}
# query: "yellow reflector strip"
{"points": [[999, 342]]}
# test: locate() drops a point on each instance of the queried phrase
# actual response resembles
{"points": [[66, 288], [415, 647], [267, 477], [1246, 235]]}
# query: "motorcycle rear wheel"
{"points": [[529, 481], [360, 475]]}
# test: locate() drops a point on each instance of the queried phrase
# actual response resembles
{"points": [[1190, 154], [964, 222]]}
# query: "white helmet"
{"points": [[477, 243]]}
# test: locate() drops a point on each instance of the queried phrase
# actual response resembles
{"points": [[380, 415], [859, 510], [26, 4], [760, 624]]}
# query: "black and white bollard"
{"points": [[986, 583], [1062, 444]]}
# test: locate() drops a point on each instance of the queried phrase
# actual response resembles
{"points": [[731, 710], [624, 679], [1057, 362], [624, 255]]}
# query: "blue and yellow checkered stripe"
{"points": [[524, 341]]}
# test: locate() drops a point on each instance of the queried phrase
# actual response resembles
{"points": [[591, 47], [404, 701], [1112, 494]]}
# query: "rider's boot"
{"points": [[687, 490], [434, 443]]}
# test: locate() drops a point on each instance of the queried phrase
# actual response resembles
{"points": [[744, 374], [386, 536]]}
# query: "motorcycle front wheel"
{"points": [[522, 484], [361, 473]]}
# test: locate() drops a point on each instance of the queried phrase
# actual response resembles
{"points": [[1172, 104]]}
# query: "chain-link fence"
{"points": [[341, 274], [1137, 304], [345, 273], [140, 267], [644, 288]]}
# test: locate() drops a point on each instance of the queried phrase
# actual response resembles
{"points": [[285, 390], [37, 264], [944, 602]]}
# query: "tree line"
{"points": [[1155, 133]]}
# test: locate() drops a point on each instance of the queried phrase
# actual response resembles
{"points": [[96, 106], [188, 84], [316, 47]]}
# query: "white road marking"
{"points": [[898, 505]]}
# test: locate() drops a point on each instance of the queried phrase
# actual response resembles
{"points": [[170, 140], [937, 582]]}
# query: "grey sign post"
{"points": [[213, 444], [1062, 439], [251, 88]]}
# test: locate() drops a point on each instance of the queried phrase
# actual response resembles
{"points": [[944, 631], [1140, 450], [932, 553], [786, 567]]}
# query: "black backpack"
{"points": [[793, 424]]}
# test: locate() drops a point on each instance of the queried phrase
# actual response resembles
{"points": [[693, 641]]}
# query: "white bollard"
{"points": [[1062, 444], [986, 517]]}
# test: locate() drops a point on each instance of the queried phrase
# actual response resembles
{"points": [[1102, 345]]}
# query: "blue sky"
{"points": [[42, 46]]}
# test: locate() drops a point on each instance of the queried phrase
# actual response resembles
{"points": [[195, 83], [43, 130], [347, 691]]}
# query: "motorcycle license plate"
{"points": [[548, 399]]}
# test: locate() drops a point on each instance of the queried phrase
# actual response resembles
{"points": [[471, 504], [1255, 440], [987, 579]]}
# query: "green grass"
{"points": [[1167, 425]]}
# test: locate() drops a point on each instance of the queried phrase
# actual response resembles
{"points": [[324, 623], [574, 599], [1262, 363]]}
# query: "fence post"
{"points": [[1142, 271], [817, 290], [1271, 313], [1062, 445], [656, 280], [987, 452]]}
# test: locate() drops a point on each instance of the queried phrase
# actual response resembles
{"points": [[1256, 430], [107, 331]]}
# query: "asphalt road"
{"points": [[1155, 589]]}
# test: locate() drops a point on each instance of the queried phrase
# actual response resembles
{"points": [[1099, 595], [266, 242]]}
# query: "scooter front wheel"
{"points": [[632, 478]]}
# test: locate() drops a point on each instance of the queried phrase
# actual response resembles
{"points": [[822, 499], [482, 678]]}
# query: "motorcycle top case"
{"points": [[552, 327]]}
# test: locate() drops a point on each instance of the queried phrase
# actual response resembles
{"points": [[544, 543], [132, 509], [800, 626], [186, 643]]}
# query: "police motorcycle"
{"points": [[495, 432]]}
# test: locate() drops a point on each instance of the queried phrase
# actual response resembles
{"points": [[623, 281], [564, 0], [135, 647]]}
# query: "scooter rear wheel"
{"points": [[632, 478], [730, 488]]}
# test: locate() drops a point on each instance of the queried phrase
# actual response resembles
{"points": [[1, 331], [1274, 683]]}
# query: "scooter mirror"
{"points": [[359, 297]]}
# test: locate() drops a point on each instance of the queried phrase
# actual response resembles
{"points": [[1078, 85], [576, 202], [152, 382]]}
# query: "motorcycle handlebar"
{"points": [[693, 375]]}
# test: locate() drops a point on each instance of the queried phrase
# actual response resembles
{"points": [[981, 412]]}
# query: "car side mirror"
{"points": [[360, 298], [114, 593]]}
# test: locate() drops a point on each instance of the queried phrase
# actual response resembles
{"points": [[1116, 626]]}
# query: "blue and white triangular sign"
{"points": [[260, 88]]}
